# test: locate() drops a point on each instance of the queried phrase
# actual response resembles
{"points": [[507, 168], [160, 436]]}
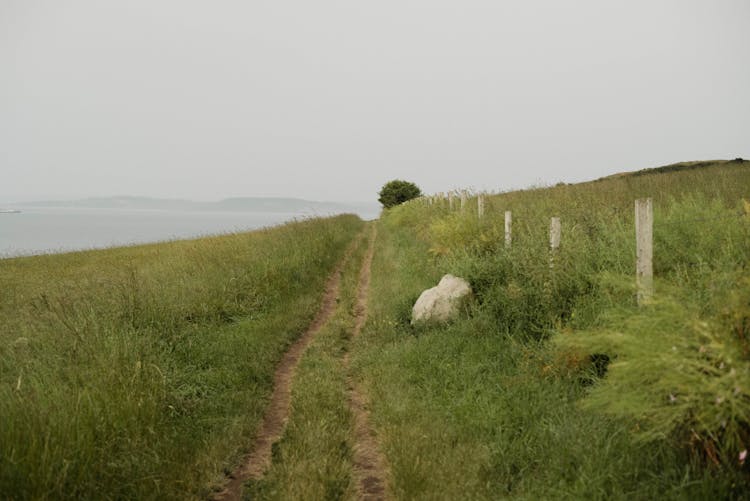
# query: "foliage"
{"points": [[142, 372], [682, 166], [498, 405], [675, 374], [469, 411], [397, 192], [138, 371]]}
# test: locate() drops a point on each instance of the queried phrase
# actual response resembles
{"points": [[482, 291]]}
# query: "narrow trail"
{"points": [[370, 467], [274, 421]]}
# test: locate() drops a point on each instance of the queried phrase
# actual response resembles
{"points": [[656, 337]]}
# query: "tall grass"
{"points": [[487, 406], [142, 372]]}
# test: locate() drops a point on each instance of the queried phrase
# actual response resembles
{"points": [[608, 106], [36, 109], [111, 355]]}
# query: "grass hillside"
{"points": [[678, 167], [142, 372], [555, 384]]}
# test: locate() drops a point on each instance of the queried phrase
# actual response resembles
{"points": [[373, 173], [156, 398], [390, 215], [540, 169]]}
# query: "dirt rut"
{"points": [[271, 429], [370, 467]]}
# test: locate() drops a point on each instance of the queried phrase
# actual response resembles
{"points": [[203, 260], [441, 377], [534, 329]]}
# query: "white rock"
{"points": [[441, 303]]}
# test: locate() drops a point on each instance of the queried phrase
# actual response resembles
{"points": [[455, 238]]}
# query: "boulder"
{"points": [[441, 303]]}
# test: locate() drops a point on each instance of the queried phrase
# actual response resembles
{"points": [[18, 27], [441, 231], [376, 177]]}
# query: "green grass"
{"points": [[142, 372], [678, 167], [491, 406]]}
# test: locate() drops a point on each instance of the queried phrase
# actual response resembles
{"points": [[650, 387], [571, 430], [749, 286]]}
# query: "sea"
{"points": [[42, 230]]}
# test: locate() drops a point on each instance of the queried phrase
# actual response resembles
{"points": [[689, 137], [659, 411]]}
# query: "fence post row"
{"points": [[644, 249], [644, 235]]}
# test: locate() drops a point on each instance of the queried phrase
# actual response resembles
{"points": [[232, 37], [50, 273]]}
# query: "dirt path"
{"points": [[258, 459], [370, 467]]}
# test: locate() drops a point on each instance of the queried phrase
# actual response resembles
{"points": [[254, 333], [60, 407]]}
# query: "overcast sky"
{"points": [[328, 100]]}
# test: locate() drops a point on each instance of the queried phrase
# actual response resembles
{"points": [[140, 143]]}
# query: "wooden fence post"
{"points": [[555, 231], [450, 200], [508, 227], [480, 206], [644, 249], [463, 200]]}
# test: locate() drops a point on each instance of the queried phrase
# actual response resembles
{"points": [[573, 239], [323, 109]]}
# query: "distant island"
{"points": [[238, 204]]}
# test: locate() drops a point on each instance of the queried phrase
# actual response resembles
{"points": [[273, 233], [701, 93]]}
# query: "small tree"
{"points": [[397, 192]]}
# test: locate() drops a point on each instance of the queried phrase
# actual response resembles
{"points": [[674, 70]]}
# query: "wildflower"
{"points": [[672, 398], [743, 455]]}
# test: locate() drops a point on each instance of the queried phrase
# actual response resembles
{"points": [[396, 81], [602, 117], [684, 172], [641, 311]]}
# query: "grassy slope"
{"points": [[136, 380], [483, 408], [141, 372]]}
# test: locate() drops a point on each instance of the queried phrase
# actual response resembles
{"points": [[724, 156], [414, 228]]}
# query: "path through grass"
{"points": [[327, 452]]}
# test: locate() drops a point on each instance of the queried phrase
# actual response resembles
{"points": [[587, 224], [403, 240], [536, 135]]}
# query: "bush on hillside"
{"points": [[397, 192], [675, 374]]}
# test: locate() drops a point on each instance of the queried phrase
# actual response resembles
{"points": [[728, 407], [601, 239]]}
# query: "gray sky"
{"points": [[330, 99]]}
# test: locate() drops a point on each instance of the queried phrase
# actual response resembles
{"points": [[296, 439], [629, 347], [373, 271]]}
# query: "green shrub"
{"points": [[676, 374], [397, 192]]}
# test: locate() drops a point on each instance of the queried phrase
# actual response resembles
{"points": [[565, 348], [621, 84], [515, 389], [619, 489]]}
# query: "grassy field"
{"points": [[555, 385], [142, 372]]}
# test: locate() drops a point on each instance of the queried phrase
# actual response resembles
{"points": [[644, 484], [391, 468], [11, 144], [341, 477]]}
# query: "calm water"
{"points": [[41, 230]]}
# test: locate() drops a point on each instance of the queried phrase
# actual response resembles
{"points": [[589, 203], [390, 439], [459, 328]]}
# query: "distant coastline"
{"points": [[62, 226], [10, 211], [238, 204]]}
